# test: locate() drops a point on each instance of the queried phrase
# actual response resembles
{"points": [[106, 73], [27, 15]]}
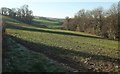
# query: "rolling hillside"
{"points": [[75, 50], [46, 22], [49, 19]]}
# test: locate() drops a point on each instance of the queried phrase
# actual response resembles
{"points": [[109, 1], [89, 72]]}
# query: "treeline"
{"points": [[22, 14], [98, 21]]}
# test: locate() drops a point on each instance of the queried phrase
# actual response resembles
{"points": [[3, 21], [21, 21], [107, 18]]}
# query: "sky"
{"points": [[57, 8]]}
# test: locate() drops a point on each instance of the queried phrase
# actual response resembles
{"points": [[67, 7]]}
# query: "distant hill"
{"points": [[49, 19], [47, 22], [41, 23]]}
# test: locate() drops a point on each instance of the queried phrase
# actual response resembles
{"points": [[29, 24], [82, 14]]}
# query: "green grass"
{"points": [[49, 24], [70, 42], [36, 23], [24, 60], [45, 21], [8, 19], [77, 48]]}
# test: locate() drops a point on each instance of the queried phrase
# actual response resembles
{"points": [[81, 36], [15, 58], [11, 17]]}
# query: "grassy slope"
{"points": [[91, 46], [24, 60], [49, 24], [36, 23], [77, 43]]}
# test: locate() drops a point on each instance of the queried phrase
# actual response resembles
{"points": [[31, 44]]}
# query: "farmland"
{"points": [[76, 50], [19, 58], [46, 23]]}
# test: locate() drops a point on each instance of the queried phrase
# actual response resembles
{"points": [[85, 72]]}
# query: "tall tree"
{"points": [[97, 21]]}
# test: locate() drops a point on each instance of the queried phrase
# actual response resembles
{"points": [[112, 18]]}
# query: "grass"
{"points": [[8, 19], [20, 59], [36, 23], [69, 42], [77, 46], [49, 24]]}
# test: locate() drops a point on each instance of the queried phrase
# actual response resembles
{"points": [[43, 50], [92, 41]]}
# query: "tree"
{"points": [[26, 14], [113, 22], [22, 14], [97, 21], [66, 23], [5, 11]]}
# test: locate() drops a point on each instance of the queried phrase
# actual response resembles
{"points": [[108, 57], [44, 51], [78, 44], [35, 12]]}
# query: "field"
{"points": [[76, 50], [19, 58], [46, 24]]}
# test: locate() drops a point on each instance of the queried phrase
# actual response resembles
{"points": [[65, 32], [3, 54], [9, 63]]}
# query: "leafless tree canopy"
{"points": [[23, 14], [98, 21]]}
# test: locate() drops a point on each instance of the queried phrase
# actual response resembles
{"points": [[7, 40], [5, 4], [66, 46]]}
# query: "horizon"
{"points": [[58, 9]]}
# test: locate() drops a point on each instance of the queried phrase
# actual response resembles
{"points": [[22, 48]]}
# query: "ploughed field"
{"points": [[77, 50]]}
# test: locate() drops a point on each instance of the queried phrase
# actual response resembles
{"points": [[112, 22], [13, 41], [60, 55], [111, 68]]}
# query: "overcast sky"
{"points": [[57, 8]]}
